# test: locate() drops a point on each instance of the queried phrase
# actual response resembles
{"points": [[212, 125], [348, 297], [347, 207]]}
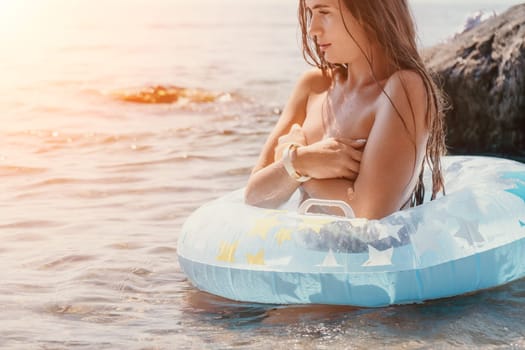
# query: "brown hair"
{"points": [[391, 24]]}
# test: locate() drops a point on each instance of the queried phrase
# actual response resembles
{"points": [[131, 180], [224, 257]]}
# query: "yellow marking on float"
{"points": [[284, 234], [227, 251], [257, 259], [262, 226]]}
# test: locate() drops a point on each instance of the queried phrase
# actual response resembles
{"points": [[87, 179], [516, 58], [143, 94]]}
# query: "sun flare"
{"points": [[12, 13]]}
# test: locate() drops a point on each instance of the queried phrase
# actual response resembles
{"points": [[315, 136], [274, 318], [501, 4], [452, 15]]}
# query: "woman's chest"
{"points": [[338, 116]]}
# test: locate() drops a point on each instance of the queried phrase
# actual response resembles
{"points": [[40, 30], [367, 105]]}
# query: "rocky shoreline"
{"points": [[482, 71]]}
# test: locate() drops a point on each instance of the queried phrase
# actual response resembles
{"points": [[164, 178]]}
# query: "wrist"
{"points": [[289, 160], [297, 158], [282, 147]]}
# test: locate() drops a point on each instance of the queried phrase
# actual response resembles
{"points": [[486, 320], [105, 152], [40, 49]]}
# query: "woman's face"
{"points": [[328, 30]]}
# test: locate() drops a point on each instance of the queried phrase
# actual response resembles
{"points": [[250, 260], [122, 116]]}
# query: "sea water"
{"points": [[94, 188]]}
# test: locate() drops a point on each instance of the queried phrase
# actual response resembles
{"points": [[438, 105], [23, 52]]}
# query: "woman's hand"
{"points": [[295, 136], [330, 158]]}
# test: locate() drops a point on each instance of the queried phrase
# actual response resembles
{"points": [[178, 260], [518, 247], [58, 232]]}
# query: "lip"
{"points": [[323, 47]]}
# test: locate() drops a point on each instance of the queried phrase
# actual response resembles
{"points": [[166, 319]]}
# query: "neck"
{"points": [[362, 71]]}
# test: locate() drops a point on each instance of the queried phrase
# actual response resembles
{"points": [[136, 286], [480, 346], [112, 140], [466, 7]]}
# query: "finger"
{"points": [[352, 142], [359, 143], [297, 131], [299, 139], [352, 153], [287, 138], [277, 153], [356, 154], [351, 175], [333, 144], [353, 165], [282, 139]]}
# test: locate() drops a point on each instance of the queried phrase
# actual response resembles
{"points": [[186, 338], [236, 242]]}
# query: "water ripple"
{"points": [[14, 170], [57, 181], [32, 224], [66, 262], [178, 159]]}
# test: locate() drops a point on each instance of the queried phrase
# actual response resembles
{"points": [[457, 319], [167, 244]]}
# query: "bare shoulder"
{"points": [[405, 96], [406, 86], [310, 82], [408, 77], [314, 81]]}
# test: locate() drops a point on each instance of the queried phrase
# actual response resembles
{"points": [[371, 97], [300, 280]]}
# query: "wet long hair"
{"points": [[391, 24]]}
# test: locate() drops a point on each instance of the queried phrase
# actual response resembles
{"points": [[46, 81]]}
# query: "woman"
{"points": [[359, 127]]}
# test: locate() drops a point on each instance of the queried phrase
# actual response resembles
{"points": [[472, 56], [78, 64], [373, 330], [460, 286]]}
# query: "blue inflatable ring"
{"points": [[471, 239]]}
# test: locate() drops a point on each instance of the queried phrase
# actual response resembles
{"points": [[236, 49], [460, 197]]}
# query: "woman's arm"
{"points": [[392, 156], [269, 184]]}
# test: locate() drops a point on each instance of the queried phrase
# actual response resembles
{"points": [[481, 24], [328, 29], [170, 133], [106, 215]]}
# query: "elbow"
{"points": [[370, 213], [370, 216], [365, 209], [252, 197], [257, 199], [367, 214], [249, 198]]}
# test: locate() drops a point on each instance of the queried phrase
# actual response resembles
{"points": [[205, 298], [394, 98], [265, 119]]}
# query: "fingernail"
{"points": [[361, 140], [296, 127]]}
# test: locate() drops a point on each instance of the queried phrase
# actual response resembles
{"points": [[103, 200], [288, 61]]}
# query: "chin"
{"points": [[333, 60]]}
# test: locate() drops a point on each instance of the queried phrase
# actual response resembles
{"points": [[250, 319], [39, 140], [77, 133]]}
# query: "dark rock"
{"points": [[483, 73]]}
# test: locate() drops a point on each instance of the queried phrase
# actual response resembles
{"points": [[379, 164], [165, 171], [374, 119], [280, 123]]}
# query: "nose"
{"points": [[314, 29]]}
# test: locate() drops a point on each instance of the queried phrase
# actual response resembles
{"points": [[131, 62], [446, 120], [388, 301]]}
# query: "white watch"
{"points": [[287, 162]]}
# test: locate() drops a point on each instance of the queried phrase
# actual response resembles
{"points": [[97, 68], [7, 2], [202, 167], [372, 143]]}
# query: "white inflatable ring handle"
{"points": [[307, 204]]}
